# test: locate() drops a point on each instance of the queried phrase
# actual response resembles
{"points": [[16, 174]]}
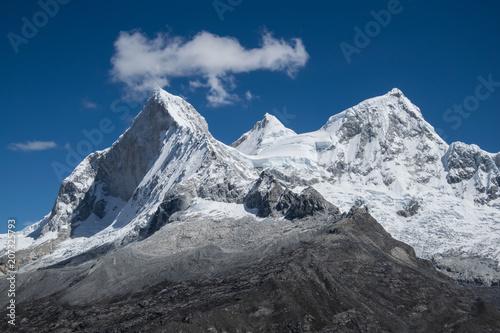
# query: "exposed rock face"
{"points": [[375, 135], [345, 276], [174, 202], [269, 198], [286, 202], [410, 209], [264, 195], [100, 208], [469, 166], [308, 203]]}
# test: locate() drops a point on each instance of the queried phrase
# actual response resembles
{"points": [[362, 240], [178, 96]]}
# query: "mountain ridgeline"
{"points": [[277, 232]]}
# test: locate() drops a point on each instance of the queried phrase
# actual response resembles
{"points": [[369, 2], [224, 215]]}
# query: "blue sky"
{"points": [[58, 80]]}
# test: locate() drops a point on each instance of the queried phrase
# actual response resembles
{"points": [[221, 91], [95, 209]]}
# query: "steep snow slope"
{"points": [[264, 134]]}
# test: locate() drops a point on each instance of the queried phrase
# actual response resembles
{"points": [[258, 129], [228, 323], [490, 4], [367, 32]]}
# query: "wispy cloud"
{"points": [[87, 104], [27, 223], [32, 146], [211, 61], [249, 96]]}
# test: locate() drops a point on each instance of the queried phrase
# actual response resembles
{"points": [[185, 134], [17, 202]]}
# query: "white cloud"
{"points": [[248, 95], [32, 146], [87, 104], [210, 60]]}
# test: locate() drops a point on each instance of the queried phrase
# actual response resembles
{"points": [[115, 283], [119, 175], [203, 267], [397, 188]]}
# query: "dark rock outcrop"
{"points": [[172, 203], [264, 195], [410, 209], [308, 203], [269, 198]]}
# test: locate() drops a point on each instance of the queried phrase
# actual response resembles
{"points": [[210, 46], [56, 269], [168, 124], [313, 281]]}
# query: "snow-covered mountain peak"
{"points": [[272, 126], [391, 115], [396, 96], [167, 143], [162, 104], [396, 92], [270, 120], [380, 153], [265, 133]]}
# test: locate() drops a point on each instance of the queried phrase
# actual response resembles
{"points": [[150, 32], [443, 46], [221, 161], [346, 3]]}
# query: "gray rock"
{"points": [[264, 195], [269, 198], [464, 161], [174, 202], [469, 269], [100, 208], [410, 209], [285, 202], [308, 203]]}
